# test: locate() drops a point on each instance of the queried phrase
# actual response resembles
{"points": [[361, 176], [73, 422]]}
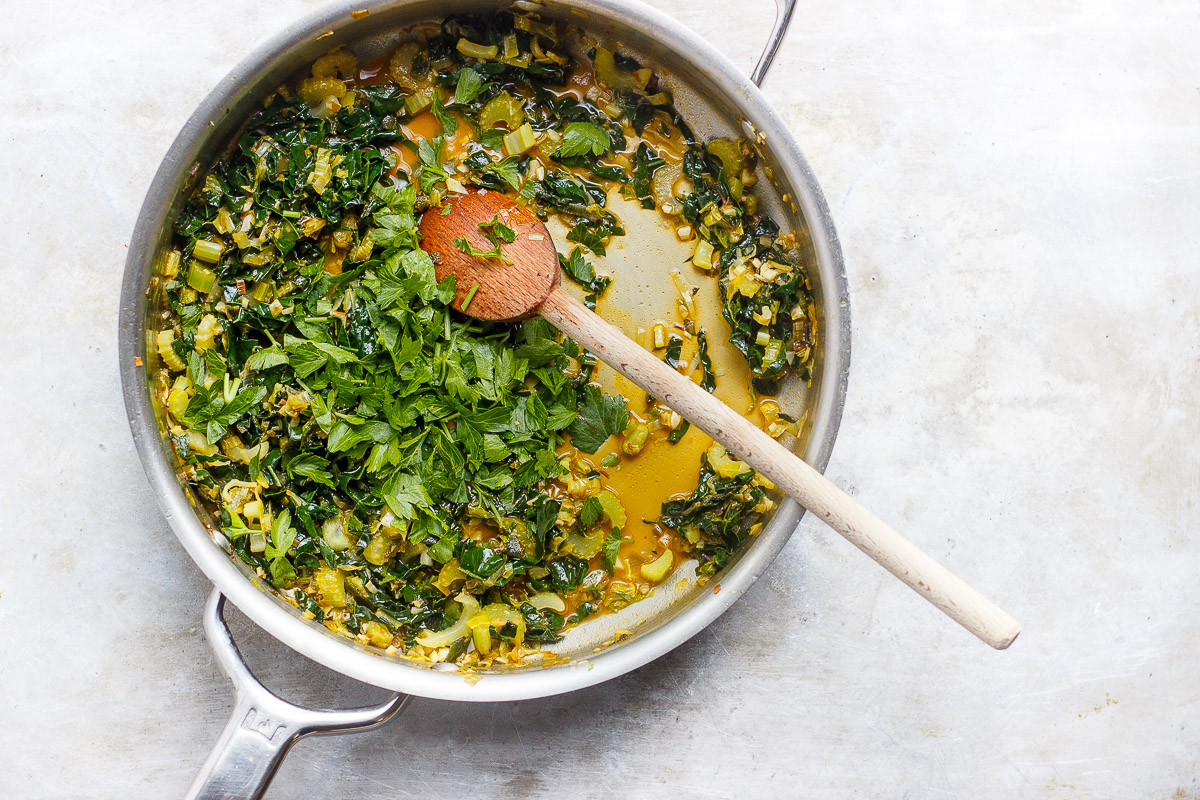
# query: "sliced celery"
{"points": [[657, 569], [201, 279], [208, 250], [518, 141], [730, 154], [418, 102], [481, 51], [332, 586], [502, 108], [171, 267]]}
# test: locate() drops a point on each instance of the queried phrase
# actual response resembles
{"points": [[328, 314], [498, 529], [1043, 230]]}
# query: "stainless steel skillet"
{"points": [[716, 99]]}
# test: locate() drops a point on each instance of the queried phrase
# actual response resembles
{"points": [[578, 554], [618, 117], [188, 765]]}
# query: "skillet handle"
{"points": [[263, 726], [783, 16]]}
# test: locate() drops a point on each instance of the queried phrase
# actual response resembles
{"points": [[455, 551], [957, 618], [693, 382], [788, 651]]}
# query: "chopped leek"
{"points": [[469, 607]]}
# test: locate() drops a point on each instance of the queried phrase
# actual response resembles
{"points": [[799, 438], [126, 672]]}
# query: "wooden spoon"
{"points": [[494, 290]]}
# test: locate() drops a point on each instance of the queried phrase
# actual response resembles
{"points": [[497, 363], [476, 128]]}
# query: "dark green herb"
{"points": [[579, 270], [645, 163], [717, 517]]}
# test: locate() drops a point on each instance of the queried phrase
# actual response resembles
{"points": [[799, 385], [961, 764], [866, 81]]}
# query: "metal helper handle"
{"points": [[263, 726], [783, 16]]}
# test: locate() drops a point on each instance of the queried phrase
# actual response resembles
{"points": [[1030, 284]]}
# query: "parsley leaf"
{"points": [[497, 230], [404, 493], [209, 412], [282, 537], [583, 234], [507, 170], [311, 466], [580, 138], [307, 357], [497, 233], [446, 118], [395, 225], [431, 164], [470, 84], [612, 547], [600, 416], [591, 512], [266, 358]]}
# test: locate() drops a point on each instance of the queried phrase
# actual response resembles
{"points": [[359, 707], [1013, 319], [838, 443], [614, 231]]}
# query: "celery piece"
{"points": [[258, 539], [610, 75], [773, 351], [177, 399], [224, 221], [208, 250], [479, 51], [518, 141], [207, 332], [482, 637], [418, 102], [377, 633], [657, 569], [633, 440], [503, 108], [334, 532], [166, 351], [730, 154], [322, 172], [201, 279], [332, 586], [510, 47], [171, 267], [379, 549], [613, 509], [260, 291], [703, 255]]}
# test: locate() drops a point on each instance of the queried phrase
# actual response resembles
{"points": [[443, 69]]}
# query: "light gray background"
{"points": [[1017, 189]]}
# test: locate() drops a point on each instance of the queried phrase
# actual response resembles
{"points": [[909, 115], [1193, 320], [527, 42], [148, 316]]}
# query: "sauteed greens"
{"points": [[417, 479]]}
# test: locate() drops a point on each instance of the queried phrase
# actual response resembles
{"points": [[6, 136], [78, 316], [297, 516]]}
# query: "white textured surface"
{"points": [[1017, 188]]}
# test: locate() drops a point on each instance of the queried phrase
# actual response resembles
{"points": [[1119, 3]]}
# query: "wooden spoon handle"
{"points": [[792, 475]]}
